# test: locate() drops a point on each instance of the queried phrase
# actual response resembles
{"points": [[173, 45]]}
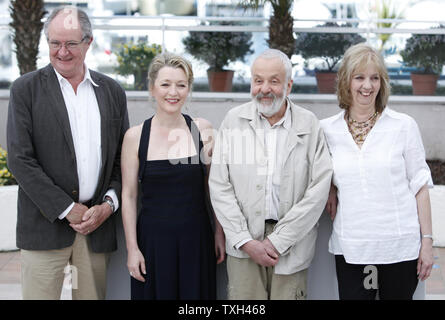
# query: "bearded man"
{"points": [[269, 182]]}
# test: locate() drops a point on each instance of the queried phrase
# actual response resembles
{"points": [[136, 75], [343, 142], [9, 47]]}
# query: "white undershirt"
{"points": [[275, 138], [85, 124]]}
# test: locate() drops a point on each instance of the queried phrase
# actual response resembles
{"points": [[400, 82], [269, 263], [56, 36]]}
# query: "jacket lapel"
{"points": [[52, 88], [259, 131], [294, 136], [250, 115], [298, 130], [293, 139], [102, 102], [101, 98]]}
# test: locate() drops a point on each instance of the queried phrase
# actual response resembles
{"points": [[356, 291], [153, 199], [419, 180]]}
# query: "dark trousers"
{"points": [[396, 281]]}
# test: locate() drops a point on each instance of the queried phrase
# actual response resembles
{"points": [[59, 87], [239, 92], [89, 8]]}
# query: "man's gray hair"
{"points": [[82, 17], [275, 53]]}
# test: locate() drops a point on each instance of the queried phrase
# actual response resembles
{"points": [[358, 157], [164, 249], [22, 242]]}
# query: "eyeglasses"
{"points": [[69, 45]]}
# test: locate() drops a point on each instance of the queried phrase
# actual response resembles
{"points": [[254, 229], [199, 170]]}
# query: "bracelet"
{"points": [[429, 236]]}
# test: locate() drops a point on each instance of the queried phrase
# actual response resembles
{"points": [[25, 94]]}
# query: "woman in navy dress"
{"points": [[171, 246]]}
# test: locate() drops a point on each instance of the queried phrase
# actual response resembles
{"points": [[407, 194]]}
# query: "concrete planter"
{"points": [[8, 208]]}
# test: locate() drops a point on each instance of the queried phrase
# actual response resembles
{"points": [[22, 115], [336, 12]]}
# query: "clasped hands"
{"points": [[85, 220], [262, 252]]}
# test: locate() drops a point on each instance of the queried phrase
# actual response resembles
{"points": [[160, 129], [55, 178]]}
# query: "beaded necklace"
{"points": [[359, 130]]}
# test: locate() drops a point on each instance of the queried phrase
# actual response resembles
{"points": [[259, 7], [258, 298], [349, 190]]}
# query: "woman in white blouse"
{"points": [[379, 200]]}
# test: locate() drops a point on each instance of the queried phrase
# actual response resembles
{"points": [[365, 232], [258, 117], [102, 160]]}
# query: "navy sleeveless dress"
{"points": [[173, 228]]}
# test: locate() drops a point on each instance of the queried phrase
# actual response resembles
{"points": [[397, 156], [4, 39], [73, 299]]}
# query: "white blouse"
{"points": [[377, 220]]}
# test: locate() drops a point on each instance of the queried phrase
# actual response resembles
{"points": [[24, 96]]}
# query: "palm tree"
{"points": [[27, 25], [386, 10], [281, 24]]}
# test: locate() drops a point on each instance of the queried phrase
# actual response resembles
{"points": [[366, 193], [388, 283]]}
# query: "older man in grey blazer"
{"points": [[65, 128]]}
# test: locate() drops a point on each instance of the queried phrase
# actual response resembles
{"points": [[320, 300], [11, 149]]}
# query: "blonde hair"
{"points": [[357, 58], [168, 59]]}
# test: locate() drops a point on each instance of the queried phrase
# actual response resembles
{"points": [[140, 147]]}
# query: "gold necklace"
{"points": [[360, 129]]}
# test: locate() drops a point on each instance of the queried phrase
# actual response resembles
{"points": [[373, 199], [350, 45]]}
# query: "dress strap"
{"points": [[196, 135], [143, 147]]}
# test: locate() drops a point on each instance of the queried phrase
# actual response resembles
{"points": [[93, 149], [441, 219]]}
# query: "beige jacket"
{"points": [[238, 181]]}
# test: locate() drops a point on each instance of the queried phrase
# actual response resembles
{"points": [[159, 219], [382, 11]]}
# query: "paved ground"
{"points": [[10, 288]]}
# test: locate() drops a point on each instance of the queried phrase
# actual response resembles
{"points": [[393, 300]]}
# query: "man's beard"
{"points": [[269, 110]]}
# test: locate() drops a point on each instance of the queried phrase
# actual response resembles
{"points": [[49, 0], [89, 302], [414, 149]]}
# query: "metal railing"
{"points": [[133, 23], [167, 23]]}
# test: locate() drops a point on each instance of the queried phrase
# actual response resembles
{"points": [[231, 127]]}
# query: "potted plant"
{"points": [[330, 47], [134, 59], [8, 205], [6, 178], [426, 52], [218, 49]]}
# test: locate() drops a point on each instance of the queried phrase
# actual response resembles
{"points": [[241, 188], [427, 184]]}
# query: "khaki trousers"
{"points": [[43, 272], [248, 280]]}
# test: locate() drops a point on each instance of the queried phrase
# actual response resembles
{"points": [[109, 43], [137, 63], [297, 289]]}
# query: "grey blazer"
{"points": [[41, 156]]}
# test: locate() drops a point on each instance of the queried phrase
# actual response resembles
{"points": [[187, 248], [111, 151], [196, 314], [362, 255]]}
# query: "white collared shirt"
{"points": [[85, 123], [275, 138], [377, 220]]}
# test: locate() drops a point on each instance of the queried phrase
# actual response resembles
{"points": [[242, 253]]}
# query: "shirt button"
{"points": [[258, 212], [259, 187]]}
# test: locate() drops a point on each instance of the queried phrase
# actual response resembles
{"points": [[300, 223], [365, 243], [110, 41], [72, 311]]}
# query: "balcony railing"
{"points": [[111, 31]]}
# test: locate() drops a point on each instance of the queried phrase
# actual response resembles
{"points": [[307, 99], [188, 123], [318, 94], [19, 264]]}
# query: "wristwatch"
{"points": [[110, 203]]}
